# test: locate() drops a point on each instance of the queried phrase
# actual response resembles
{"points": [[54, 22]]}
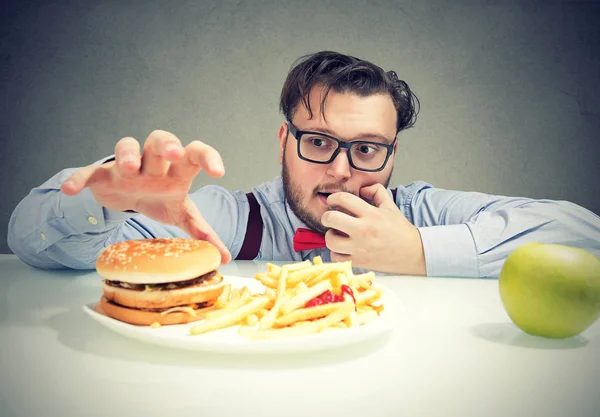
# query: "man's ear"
{"points": [[282, 136]]}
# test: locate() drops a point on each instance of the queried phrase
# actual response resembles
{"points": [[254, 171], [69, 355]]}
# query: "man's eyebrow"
{"points": [[360, 136]]}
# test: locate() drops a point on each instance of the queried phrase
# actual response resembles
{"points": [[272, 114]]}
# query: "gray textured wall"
{"points": [[508, 89]]}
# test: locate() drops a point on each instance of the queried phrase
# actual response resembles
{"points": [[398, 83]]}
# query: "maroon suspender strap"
{"points": [[254, 230]]}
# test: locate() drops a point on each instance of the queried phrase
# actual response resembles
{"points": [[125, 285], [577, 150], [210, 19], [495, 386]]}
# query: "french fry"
{"points": [[366, 277], [363, 308], [232, 305], [271, 293], [336, 326], [338, 279], [273, 275], [251, 320], [378, 308], [343, 310], [362, 281], [351, 319], [301, 287], [365, 317], [266, 280], [245, 294], [368, 296], [268, 319], [297, 266], [309, 272], [302, 314], [336, 282], [235, 294], [230, 318], [224, 297], [281, 286], [322, 276], [304, 297], [279, 311], [273, 268], [301, 323]]}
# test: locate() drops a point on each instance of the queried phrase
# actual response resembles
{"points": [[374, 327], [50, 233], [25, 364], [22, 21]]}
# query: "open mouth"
{"points": [[323, 197]]}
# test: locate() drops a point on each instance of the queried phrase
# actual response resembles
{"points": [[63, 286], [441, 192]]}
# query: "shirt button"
{"points": [[43, 236], [92, 220]]}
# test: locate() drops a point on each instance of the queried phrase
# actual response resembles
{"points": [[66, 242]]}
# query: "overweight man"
{"points": [[337, 143]]}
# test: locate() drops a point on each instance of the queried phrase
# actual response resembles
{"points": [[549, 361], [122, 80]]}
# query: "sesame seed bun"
{"points": [[155, 261]]}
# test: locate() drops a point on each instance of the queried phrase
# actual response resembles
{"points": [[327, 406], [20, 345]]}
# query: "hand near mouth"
{"points": [[373, 235], [332, 206]]}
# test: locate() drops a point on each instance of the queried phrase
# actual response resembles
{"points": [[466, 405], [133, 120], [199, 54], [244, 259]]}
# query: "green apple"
{"points": [[551, 290]]}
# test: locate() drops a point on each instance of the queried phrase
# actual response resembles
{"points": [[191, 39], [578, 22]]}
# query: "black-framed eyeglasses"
{"points": [[321, 148]]}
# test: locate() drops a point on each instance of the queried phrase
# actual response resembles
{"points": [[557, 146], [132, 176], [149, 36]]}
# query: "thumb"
{"points": [[379, 195], [194, 225], [84, 177]]}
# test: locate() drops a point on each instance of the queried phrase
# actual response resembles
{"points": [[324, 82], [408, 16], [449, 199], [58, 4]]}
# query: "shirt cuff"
{"points": [[84, 214], [449, 251]]}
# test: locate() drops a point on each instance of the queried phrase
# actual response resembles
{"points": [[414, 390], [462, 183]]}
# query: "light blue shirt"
{"points": [[466, 234]]}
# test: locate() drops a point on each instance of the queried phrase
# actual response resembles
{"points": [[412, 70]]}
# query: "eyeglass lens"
{"points": [[365, 155]]}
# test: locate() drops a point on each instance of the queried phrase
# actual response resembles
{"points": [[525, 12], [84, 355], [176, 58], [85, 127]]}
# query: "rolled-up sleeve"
{"points": [[470, 234], [51, 230]]}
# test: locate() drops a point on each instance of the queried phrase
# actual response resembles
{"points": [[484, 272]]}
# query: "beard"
{"points": [[293, 194]]}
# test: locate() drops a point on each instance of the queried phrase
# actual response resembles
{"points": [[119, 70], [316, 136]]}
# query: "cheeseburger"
{"points": [[159, 281]]}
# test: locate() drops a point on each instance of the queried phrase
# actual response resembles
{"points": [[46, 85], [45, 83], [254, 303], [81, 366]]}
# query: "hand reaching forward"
{"points": [[155, 184], [375, 237]]}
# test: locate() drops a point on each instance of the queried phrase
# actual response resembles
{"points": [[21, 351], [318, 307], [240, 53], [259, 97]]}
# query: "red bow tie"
{"points": [[305, 239]]}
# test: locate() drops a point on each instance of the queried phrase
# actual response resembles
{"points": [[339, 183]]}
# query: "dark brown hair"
{"points": [[344, 73]]}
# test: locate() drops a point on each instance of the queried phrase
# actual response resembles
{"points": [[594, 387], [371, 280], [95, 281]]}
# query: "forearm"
{"points": [[540, 221], [49, 229], [479, 246]]}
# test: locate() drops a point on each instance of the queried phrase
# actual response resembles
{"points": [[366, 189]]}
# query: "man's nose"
{"points": [[340, 166]]}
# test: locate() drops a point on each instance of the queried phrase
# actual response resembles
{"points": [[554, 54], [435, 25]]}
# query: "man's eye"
{"points": [[319, 143], [367, 149]]}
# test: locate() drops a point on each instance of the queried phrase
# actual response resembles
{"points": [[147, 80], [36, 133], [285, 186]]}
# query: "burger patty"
{"points": [[167, 286], [195, 306]]}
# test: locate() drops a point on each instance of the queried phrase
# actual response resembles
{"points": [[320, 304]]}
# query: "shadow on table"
{"points": [[511, 335], [76, 331]]}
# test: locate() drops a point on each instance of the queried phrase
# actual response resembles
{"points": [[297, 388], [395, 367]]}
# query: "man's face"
{"points": [[349, 118]]}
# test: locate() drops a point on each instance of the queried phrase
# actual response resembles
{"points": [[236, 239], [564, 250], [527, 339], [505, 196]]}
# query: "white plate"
{"points": [[228, 340]]}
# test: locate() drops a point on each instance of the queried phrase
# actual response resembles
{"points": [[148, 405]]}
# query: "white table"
{"points": [[454, 352]]}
